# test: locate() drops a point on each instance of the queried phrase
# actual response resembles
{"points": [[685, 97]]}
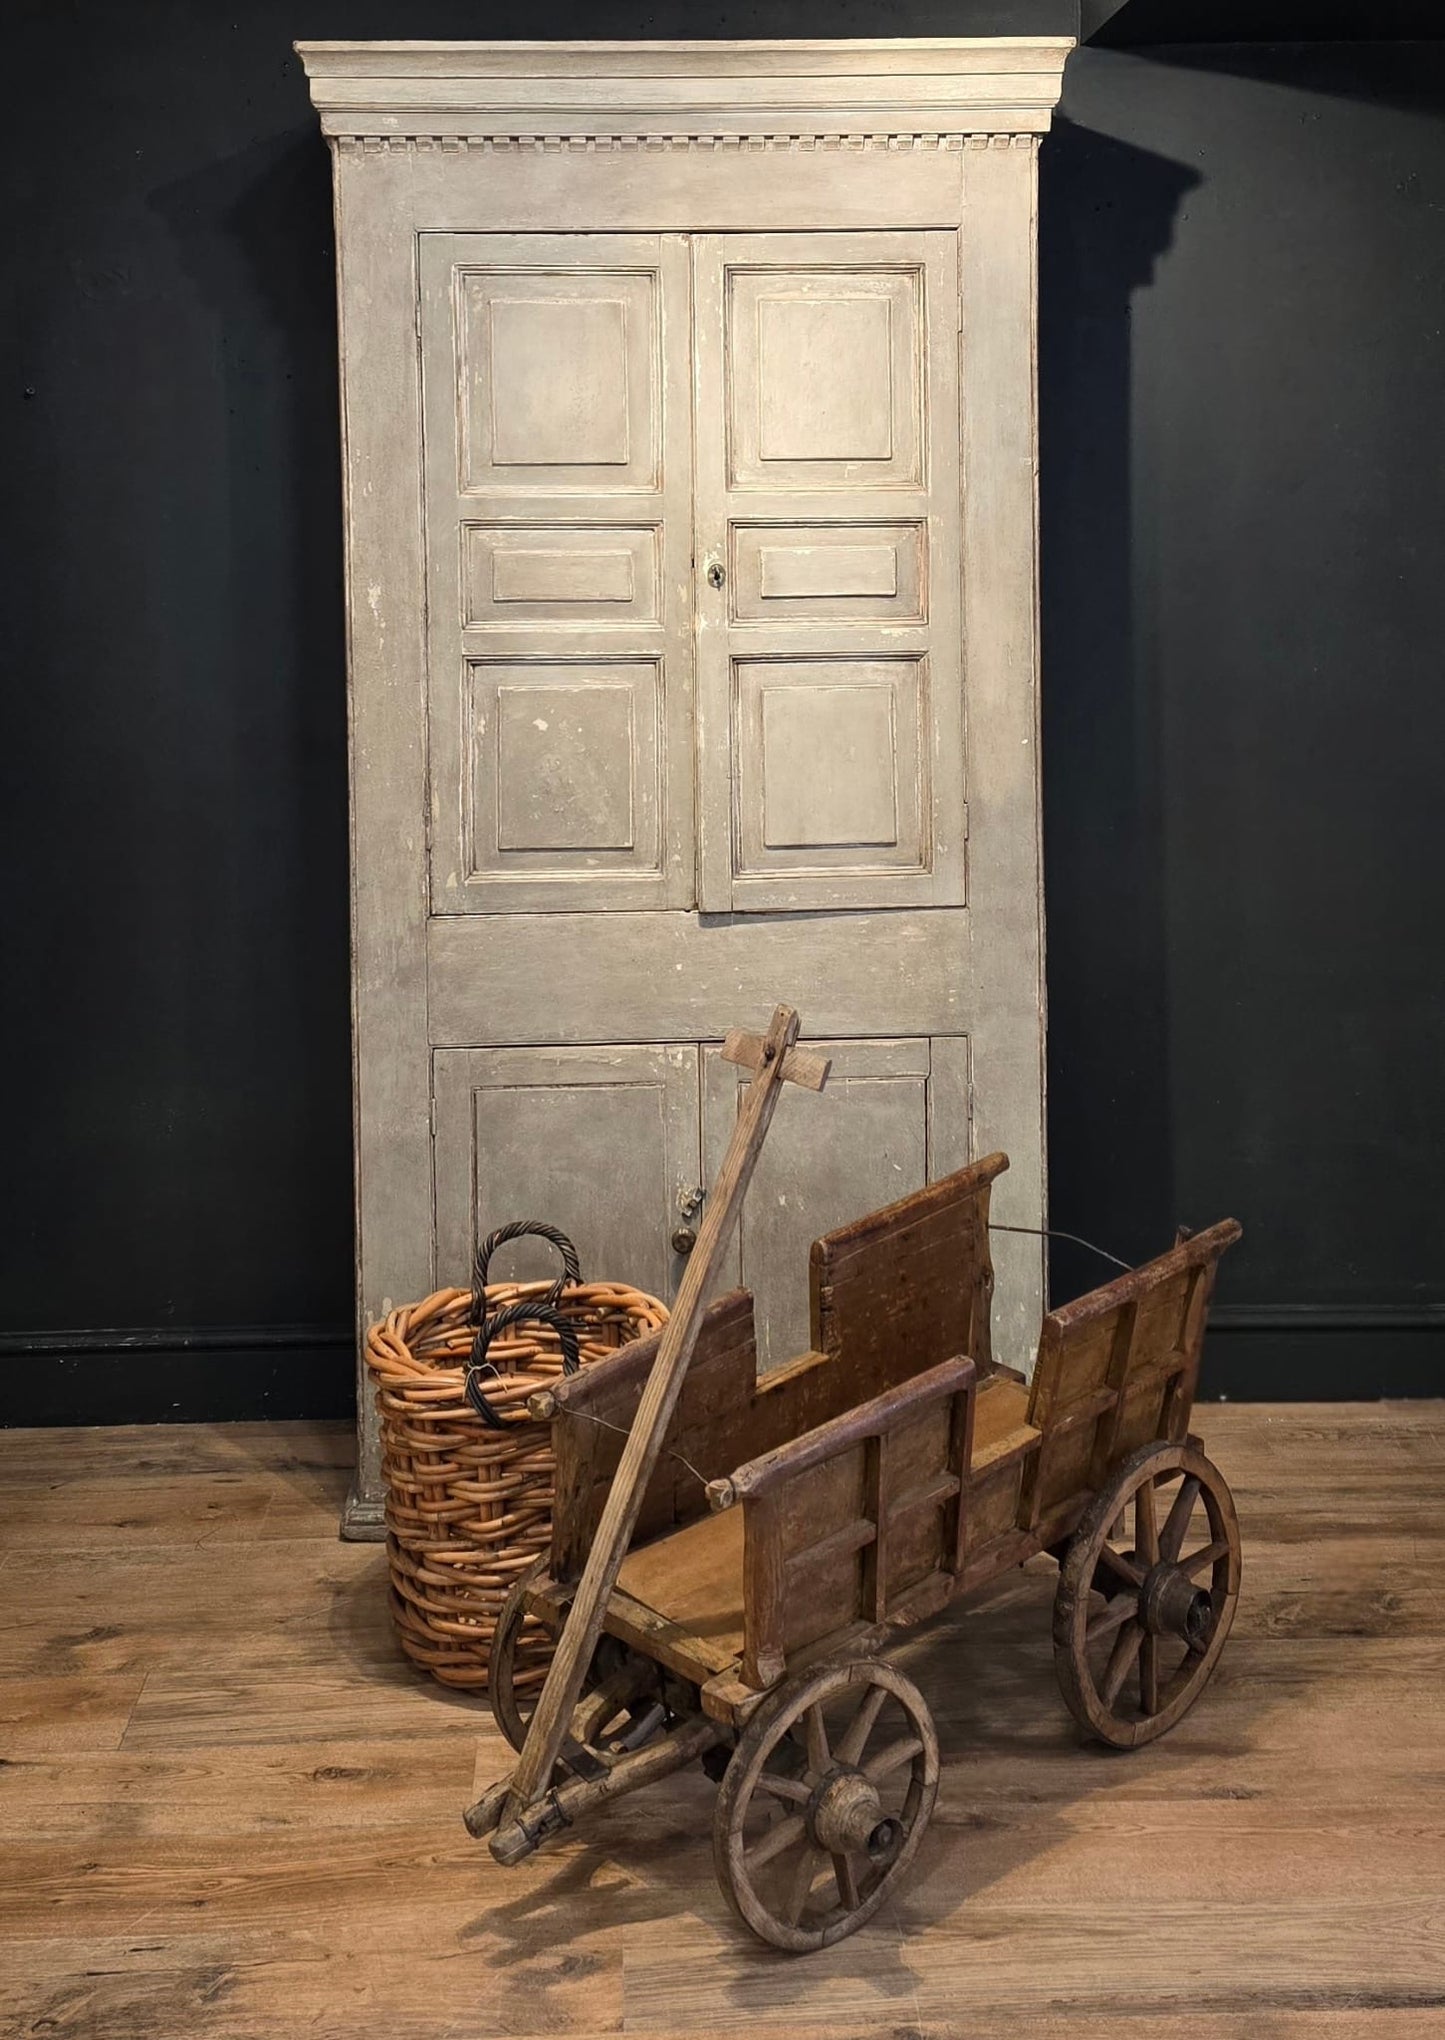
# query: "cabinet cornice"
{"points": [[767, 93]]}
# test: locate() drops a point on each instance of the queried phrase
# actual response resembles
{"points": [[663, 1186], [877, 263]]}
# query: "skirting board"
{"points": [[222, 1374], [1307, 1352], [211, 1374]]}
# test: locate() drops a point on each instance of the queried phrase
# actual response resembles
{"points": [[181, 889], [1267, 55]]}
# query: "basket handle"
{"points": [[520, 1229], [527, 1312]]}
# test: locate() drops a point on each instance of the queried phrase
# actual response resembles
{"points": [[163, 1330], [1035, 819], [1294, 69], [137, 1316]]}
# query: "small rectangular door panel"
{"points": [[602, 1142], [894, 1116], [561, 574], [830, 670], [804, 572], [558, 440]]}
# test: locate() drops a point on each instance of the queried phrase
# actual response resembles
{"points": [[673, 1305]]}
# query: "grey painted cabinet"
{"points": [[688, 405]]}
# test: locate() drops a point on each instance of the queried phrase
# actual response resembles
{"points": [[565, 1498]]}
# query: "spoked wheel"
{"points": [[619, 1709], [824, 1803], [513, 1700], [1138, 1627]]}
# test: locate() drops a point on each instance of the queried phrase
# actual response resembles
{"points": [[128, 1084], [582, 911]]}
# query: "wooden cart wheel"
{"points": [[1138, 1627], [824, 1803], [502, 1687], [619, 1703]]}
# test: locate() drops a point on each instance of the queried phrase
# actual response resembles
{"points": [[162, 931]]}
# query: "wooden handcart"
{"points": [[733, 1554]]}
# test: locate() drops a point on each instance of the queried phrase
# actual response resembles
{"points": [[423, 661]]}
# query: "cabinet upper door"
{"points": [[558, 445], [828, 538]]}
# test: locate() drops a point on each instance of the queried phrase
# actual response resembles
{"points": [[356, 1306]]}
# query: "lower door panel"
{"points": [[602, 1142]]}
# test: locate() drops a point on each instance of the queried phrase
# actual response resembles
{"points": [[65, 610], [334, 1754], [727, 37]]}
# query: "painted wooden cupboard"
{"points": [[689, 453]]}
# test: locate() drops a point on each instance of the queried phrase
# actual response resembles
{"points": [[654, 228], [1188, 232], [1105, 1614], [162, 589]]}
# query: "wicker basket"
{"points": [[469, 1482]]}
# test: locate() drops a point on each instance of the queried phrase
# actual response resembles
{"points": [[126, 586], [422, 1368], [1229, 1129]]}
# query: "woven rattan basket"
{"points": [[469, 1495]]}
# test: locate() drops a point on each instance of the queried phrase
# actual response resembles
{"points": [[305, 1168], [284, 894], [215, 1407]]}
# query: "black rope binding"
{"points": [[525, 1313], [545, 1309], [521, 1229]]}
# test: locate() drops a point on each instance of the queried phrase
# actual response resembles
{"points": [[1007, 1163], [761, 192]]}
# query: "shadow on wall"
{"points": [[1106, 215]]}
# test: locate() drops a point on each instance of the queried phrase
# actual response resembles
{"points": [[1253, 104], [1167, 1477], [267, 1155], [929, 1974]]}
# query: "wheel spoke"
{"points": [[1123, 1568], [784, 1834], [1121, 1609], [1146, 1530], [855, 1739], [818, 1759], [1121, 1659], [847, 1883], [1209, 1555], [1149, 1675], [791, 1789], [892, 1759], [1176, 1523], [804, 1878]]}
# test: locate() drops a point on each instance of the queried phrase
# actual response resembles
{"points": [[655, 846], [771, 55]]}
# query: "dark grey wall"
{"points": [[1242, 497], [1244, 514]]}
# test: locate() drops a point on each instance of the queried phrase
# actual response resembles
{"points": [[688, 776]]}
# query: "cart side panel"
{"points": [[919, 1487], [824, 1528], [840, 1538], [594, 1414], [1117, 1369], [909, 1286], [1001, 1456]]}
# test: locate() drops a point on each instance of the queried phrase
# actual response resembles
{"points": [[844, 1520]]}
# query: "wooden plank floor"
{"points": [[229, 1808]]}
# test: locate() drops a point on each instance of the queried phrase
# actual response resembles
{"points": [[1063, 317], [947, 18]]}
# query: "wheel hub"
{"points": [[845, 1815], [1170, 1604]]}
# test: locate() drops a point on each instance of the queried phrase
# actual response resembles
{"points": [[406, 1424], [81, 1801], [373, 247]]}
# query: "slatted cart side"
{"points": [[840, 1524], [908, 1286], [1117, 1369], [592, 1414]]}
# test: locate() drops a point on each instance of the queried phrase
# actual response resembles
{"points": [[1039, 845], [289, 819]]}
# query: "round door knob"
{"points": [[716, 574], [684, 1240]]}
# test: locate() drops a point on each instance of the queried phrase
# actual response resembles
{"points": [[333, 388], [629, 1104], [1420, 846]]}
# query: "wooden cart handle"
{"points": [[800, 1065], [548, 1727]]}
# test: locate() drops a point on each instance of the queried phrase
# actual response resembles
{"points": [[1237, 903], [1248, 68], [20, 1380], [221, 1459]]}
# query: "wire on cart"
{"points": [[1044, 1232], [623, 1431]]}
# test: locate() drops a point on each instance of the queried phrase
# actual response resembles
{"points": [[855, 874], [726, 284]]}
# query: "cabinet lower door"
{"points": [[602, 1142], [894, 1116]]}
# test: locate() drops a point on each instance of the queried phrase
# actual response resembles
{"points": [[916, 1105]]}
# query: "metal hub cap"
{"points": [[1171, 1604]]}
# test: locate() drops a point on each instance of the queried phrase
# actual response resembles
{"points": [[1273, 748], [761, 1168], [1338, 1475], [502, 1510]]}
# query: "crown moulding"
{"points": [[685, 91]]}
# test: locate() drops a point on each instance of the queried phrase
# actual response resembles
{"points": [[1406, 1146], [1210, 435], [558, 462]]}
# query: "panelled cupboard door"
{"points": [[602, 1142], [558, 443], [893, 1117], [830, 688]]}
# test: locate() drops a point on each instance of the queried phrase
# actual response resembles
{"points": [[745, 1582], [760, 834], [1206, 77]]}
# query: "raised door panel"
{"points": [[559, 519], [601, 1142], [894, 1116], [827, 482], [558, 378], [824, 372]]}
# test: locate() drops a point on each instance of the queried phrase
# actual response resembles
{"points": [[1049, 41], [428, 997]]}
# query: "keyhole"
{"points": [[715, 574]]}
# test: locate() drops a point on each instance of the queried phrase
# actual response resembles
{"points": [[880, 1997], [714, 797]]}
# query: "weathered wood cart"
{"points": [[778, 1532]]}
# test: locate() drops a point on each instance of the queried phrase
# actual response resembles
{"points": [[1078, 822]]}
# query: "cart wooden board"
{"points": [[786, 1527]]}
